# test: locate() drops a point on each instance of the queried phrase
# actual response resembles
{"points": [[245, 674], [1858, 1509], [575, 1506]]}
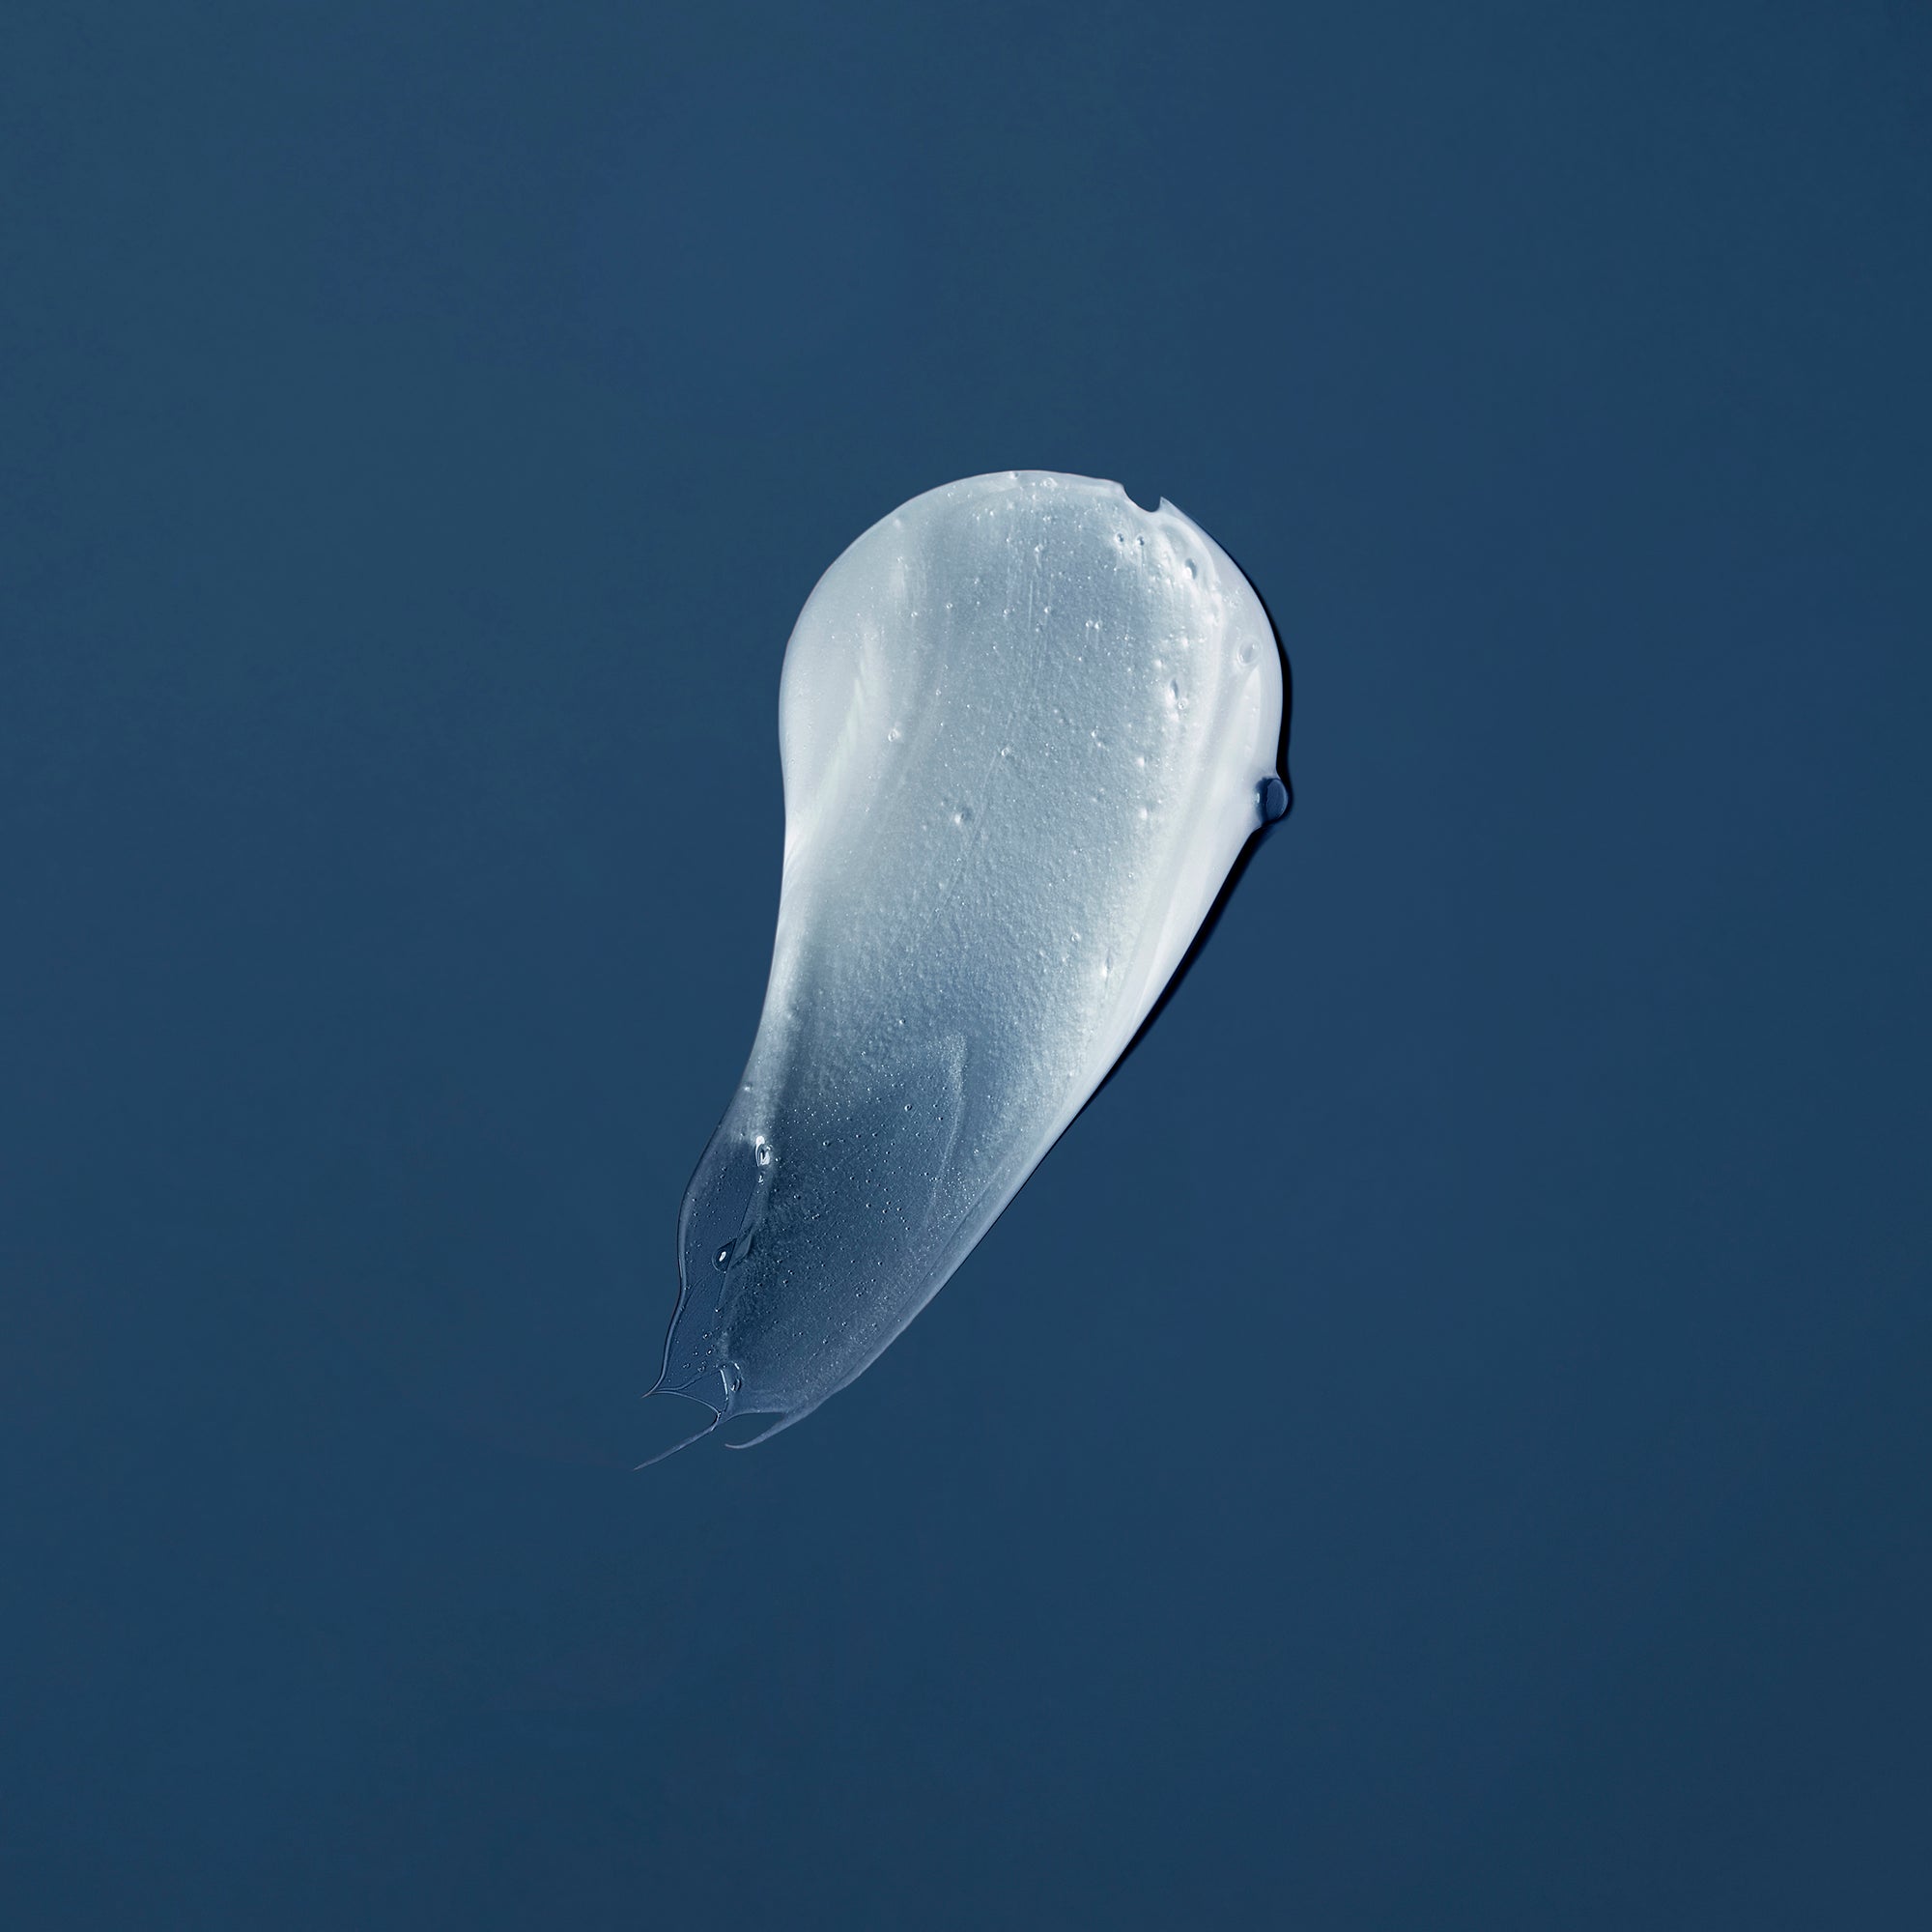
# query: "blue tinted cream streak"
{"points": [[1027, 728]]}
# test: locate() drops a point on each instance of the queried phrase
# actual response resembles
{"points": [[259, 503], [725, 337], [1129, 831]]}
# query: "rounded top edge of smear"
{"points": [[1076, 484], [1070, 481]]}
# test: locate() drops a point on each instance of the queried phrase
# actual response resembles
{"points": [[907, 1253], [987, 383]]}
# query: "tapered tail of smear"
{"points": [[664, 1454], [725, 1379]]}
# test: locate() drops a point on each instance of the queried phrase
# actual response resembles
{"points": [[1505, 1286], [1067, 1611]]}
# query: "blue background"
{"points": [[1443, 1442]]}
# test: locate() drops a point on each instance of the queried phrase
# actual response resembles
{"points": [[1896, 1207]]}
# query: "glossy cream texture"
{"points": [[1027, 728]]}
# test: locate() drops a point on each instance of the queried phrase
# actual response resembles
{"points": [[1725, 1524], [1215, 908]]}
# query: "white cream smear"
{"points": [[1027, 728]]}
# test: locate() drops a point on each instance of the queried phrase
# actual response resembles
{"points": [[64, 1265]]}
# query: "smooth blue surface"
{"points": [[1443, 1441]]}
